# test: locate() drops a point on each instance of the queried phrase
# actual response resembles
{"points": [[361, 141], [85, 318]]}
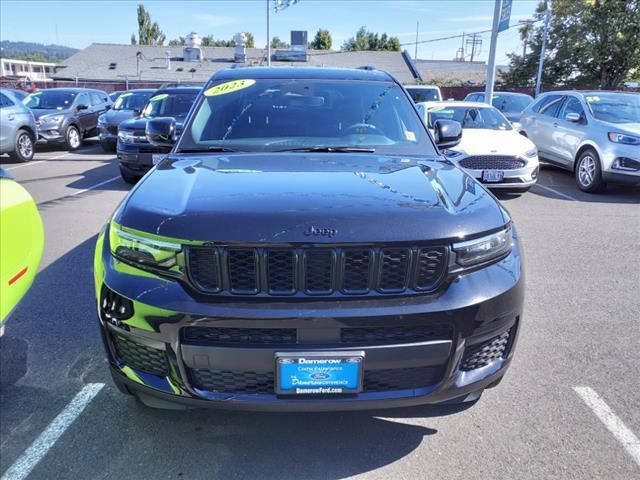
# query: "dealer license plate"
{"points": [[492, 176], [319, 373]]}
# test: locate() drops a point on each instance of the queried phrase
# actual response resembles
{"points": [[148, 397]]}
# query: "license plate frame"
{"points": [[345, 372], [156, 158], [492, 176]]}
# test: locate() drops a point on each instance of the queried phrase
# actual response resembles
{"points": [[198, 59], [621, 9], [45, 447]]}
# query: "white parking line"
{"points": [[619, 430], [39, 448], [39, 161], [553, 190], [92, 187]]}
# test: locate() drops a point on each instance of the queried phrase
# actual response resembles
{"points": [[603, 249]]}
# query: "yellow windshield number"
{"points": [[229, 87]]}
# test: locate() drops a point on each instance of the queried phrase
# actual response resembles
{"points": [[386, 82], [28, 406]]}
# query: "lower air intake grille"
{"points": [[239, 336], [246, 382], [400, 378], [483, 354], [140, 357], [392, 335], [229, 381]]}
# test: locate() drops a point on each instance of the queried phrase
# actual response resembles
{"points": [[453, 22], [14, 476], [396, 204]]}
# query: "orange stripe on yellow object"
{"points": [[17, 277]]}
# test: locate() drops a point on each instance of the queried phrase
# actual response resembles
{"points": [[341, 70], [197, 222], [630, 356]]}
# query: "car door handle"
{"points": [[555, 124], [11, 117]]}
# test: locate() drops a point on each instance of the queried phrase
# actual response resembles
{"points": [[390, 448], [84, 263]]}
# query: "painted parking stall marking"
{"points": [[47, 439], [618, 429]]}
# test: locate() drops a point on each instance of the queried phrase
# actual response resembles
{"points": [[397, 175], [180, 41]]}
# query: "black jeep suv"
{"points": [[304, 246], [135, 154]]}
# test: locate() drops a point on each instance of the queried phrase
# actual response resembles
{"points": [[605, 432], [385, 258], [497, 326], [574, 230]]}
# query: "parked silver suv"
{"points": [[595, 134], [17, 127]]}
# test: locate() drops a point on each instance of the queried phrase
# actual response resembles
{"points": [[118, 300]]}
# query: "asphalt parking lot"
{"points": [[578, 350]]}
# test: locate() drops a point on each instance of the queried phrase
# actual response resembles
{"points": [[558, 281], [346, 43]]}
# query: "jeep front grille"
{"points": [[316, 271]]}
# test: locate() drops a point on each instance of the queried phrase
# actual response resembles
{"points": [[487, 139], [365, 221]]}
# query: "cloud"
{"points": [[212, 20]]}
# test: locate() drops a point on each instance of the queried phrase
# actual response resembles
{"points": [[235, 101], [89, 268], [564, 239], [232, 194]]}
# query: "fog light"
{"points": [[114, 307], [534, 174], [627, 164]]}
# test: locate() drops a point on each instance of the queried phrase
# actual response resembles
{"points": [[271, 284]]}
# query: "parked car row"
{"points": [[595, 134]]}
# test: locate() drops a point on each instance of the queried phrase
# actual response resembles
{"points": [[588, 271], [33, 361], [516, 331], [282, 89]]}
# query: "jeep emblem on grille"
{"points": [[321, 232]]}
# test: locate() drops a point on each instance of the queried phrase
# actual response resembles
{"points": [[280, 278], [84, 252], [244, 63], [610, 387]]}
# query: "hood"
{"points": [[512, 116], [139, 123], [276, 197], [630, 128], [480, 141], [116, 117], [41, 113]]}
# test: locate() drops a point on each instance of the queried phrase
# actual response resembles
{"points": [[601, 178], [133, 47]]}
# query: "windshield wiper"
{"points": [[212, 148], [330, 149]]}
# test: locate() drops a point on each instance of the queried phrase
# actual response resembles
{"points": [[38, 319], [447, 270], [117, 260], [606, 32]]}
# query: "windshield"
{"points": [[50, 100], [470, 117], [423, 94], [131, 100], [278, 114], [174, 105], [615, 107]]}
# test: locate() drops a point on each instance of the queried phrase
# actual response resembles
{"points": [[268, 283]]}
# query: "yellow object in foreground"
{"points": [[21, 243]]}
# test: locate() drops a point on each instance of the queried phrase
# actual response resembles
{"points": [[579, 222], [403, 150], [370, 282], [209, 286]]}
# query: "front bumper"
{"points": [[613, 152], [475, 308], [515, 179], [51, 135], [135, 159]]}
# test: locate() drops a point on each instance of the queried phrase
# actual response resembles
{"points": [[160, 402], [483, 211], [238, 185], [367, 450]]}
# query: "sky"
{"points": [[79, 23]]}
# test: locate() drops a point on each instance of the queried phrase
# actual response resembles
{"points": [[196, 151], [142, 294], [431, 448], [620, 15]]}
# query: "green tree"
{"points": [[178, 42], [322, 40], [133, 39], [591, 43], [208, 41], [365, 40], [277, 43], [250, 40], [149, 32]]}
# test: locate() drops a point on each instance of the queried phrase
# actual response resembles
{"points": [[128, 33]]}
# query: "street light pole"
{"points": [[491, 67], [547, 16], [268, 35]]}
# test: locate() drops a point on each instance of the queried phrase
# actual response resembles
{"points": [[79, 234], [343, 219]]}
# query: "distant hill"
{"points": [[37, 52]]}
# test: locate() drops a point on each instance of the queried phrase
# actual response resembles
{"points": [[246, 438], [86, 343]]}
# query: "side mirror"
{"points": [[161, 131], [447, 133], [137, 112], [421, 111], [82, 106], [573, 117], [108, 107]]}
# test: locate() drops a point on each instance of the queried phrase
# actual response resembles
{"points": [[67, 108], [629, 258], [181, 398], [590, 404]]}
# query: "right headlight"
{"points": [[484, 249], [142, 251], [126, 136]]}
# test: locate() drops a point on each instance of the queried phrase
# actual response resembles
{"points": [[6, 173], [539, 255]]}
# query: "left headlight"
{"points": [[142, 251], [126, 136], [624, 138], [484, 249]]}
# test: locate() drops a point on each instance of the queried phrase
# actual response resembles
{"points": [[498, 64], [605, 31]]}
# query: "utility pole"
{"points": [[547, 16], [474, 41], [491, 68], [268, 35], [415, 55], [462, 48]]}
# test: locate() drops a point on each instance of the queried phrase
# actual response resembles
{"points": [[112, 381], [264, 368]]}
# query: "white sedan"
{"points": [[491, 150]]}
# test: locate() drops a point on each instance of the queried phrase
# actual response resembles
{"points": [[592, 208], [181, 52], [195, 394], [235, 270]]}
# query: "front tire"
{"points": [[73, 139], [127, 177], [24, 147], [589, 172]]}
